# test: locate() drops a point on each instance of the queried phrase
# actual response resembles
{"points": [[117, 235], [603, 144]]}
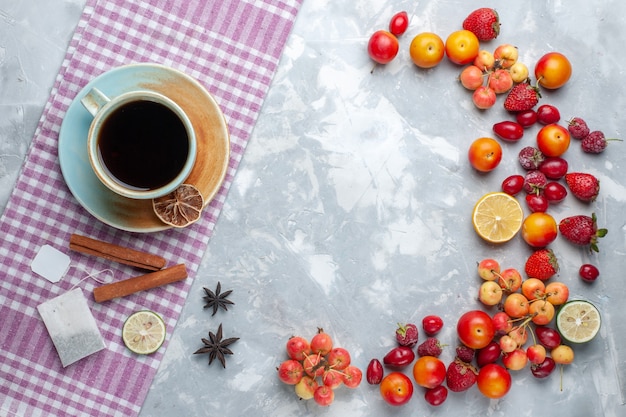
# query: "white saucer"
{"points": [[211, 132]]}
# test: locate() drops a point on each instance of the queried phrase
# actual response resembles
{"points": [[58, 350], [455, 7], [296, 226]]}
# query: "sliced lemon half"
{"points": [[181, 207], [143, 332], [578, 321], [497, 217]]}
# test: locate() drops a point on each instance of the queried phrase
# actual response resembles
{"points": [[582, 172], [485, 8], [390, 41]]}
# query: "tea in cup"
{"points": [[141, 144]]}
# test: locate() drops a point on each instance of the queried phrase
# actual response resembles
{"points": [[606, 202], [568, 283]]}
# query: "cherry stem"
{"points": [[532, 333]]}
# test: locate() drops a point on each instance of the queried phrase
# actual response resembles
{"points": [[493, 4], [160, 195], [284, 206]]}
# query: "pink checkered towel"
{"points": [[232, 47]]}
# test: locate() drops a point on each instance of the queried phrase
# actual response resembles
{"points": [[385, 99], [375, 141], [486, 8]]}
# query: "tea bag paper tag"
{"points": [[71, 325], [50, 263]]}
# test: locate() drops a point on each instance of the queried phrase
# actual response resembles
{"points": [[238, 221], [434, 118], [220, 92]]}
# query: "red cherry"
{"points": [[526, 118], [542, 370], [436, 396], [555, 192], [513, 184], [537, 203], [489, 354], [548, 337], [554, 167], [588, 272], [508, 130], [399, 23], [432, 324], [548, 114]]}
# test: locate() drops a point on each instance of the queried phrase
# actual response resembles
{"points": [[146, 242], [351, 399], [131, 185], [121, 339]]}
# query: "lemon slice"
{"points": [[497, 217], [143, 332], [578, 321], [181, 207]]}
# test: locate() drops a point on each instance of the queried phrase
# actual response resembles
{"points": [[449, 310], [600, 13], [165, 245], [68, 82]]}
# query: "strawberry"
{"points": [[484, 23], [460, 376], [595, 142], [465, 353], [582, 230], [522, 97], [584, 186], [578, 128], [430, 347], [534, 182], [541, 264], [407, 334], [530, 158]]}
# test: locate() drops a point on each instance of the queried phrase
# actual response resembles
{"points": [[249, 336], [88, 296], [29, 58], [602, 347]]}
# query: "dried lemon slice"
{"points": [[578, 321], [143, 332], [181, 207], [497, 217]]}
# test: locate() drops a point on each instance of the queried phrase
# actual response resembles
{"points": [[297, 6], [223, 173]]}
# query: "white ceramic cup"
{"points": [[144, 159]]}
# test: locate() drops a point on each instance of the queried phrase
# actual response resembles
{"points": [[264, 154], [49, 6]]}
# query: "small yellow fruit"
{"points": [[519, 72]]}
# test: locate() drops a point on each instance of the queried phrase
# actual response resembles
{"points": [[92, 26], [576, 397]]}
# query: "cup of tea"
{"points": [[140, 144]]}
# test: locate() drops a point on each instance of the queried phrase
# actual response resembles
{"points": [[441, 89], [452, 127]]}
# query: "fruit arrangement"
{"points": [[422, 363], [525, 319], [486, 73], [546, 180], [316, 368], [490, 347], [525, 310], [383, 45]]}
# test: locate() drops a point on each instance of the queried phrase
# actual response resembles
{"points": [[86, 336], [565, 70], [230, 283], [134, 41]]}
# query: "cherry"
{"points": [[513, 184], [375, 372], [432, 325], [436, 396], [588, 272], [554, 167], [537, 203], [509, 130], [399, 23], [548, 337], [555, 192], [543, 369], [489, 354], [526, 118], [548, 114]]}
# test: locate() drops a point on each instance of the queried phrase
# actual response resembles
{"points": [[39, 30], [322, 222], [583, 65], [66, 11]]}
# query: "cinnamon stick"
{"points": [[116, 253], [141, 283]]}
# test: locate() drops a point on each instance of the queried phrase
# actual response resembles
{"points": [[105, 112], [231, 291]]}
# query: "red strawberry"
{"points": [[541, 264], [484, 23], [595, 142], [582, 230], [465, 353], [430, 347], [578, 128], [534, 182], [530, 158], [584, 186], [407, 334], [522, 97], [460, 376]]}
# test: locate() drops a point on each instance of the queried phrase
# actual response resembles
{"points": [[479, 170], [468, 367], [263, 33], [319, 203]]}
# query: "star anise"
{"points": [[217, 299], [216, 347]]}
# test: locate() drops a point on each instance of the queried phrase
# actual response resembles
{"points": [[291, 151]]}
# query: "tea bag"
{"points": [[50, 263], [71, 325]]}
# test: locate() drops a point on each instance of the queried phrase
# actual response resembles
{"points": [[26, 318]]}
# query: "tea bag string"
{"points": [[93, 275]]}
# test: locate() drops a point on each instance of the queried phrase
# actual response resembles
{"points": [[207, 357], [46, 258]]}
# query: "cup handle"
{"points": [[94, 100]]}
